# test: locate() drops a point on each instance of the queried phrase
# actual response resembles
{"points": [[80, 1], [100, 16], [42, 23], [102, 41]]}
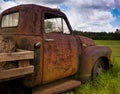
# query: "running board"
{"points": [[58, 88]]}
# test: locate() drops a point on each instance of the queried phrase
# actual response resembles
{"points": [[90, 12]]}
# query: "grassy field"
{"points": [[108, 82], [113, 44]]}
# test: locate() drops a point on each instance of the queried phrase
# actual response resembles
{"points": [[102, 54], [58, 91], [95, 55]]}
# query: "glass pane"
{"points": [[65, 28], [10, 20], [53, 25]]}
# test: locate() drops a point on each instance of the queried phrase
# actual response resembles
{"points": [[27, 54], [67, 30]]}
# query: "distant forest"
{"points": [[99, 35]]}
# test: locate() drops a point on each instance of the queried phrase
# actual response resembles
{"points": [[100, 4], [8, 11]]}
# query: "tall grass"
{"points": [[108, 82]]}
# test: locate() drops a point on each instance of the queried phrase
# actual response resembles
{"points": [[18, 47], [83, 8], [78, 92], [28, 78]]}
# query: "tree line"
{"points": [[99, 35]]}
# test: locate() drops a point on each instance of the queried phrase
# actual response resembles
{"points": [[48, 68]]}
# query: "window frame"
{"points": [[8, 14], [60, 16]]}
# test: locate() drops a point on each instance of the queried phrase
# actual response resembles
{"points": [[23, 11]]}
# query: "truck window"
{"points": [[10, 20], [55, 23]]}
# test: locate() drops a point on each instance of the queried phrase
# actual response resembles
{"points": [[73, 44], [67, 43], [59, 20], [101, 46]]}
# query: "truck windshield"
{"points": [[10, 20]]}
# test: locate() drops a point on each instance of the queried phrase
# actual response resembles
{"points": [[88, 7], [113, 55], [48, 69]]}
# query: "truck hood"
{"points": [[86, 42]]}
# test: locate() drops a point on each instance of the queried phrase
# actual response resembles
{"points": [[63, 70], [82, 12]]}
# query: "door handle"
{"points": [[37, 45], [49, 40]]}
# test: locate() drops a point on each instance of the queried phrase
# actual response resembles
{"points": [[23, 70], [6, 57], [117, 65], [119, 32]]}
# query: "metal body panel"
{"points": [[57, 55], [60, 57], [57, 88], [28, 42], [89, 57], [26, 35]]}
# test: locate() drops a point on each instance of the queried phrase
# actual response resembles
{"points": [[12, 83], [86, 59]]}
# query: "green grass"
{"points": [[108, 42], [108, 82], [113, 44]]}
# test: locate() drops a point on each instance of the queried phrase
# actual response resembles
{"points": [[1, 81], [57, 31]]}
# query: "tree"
{"points": [[117, 31]]}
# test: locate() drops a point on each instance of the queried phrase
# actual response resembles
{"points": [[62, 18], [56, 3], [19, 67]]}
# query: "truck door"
{"points": [[60, 49]]}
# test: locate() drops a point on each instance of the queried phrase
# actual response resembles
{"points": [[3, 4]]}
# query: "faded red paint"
{"points": [[86, 42], [90, 56], [58, 55]]}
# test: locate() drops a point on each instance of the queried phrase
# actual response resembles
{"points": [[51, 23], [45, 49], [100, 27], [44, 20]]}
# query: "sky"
{"points": [[84, 15]]}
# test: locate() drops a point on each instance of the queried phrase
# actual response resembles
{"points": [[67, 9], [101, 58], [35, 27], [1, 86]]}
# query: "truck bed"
{"points": [[22, 57]]}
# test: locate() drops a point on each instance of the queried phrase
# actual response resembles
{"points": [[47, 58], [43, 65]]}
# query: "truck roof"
{"points": [[32, 12], [31, 6]]}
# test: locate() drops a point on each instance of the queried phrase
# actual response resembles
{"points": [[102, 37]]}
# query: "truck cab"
{"points": [[50, 50]]}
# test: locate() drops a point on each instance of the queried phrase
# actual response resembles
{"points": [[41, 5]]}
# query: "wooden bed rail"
{"points": [[24, 68]]}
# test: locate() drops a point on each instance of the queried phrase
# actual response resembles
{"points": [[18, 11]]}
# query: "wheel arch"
{"points": [[88, 59], [106, 62]]}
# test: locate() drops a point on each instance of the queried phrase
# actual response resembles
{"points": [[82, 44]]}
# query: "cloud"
{"points": [[91, 20], [44, 1], [5, 5], [91, 4], [88, 15], [53, 1], [117, 3]]}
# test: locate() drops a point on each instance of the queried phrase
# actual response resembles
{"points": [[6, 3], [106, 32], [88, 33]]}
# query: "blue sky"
{"points": [[64, 7], [116, 13], [84, 15]]}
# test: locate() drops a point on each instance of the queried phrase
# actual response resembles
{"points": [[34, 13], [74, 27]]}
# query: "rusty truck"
{"points": [[39, 54]]}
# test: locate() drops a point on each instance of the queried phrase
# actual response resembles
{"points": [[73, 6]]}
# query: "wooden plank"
{"points": [[23, 63], [58, 88], [15, 72], [14, 56], [21, 50]]}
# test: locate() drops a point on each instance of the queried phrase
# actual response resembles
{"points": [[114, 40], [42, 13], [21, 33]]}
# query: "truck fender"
{"points": [[88, 59]]}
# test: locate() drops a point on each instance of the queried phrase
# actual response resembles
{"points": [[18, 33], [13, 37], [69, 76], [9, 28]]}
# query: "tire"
{"points": [[98, 68]]}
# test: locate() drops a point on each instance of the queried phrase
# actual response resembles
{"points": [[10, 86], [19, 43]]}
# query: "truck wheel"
{"points": [[98, 68]]}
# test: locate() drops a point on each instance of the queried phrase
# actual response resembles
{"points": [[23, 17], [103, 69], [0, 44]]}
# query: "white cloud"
{"points": [[86, 15], [117, 4], [44, 1], [93, 4], [5, 5], [89, 19]]}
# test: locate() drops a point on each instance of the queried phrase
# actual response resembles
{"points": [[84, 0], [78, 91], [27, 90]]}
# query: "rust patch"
{"points": [[60, 57]]}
